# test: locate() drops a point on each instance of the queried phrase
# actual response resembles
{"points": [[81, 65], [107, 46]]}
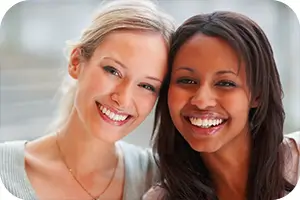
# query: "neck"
{"points": [[229, 165], [82, 151]]}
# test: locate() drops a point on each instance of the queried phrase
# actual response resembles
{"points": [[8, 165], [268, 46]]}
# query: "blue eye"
{"points": [[226, 84], [148, 87], [186, 81], [112, 71]]}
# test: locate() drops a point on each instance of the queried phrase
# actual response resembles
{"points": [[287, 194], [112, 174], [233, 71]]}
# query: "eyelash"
{"points": [[112, 71], [148, 87], [224, 83], [115, 72], [186, 81]]}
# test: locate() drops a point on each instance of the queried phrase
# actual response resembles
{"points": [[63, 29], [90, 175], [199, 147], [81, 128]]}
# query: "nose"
{"points": [[204, 98], [122, 95]]}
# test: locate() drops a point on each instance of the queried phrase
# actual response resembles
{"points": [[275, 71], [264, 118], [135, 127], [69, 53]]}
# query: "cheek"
{"points": [[172, 101], [237, 105], [89, 89], [96, 83], [144, 104], [177, 98]]}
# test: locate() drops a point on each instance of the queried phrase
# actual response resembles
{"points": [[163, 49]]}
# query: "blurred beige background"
{"points": [[33, 35]]}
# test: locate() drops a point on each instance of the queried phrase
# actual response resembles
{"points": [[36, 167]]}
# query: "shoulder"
{"points": [[154, 193], [12, 164], [292, 143], [294, 139], [292, 156], [141, 157], [140, 168], [11, 155], [11, 148]]}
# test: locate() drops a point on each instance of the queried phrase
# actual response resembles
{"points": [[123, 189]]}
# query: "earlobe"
{"points": [[74, 64]]}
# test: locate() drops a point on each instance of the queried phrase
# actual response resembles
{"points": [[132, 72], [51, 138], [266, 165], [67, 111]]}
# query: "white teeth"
{"points": [[206, 123], [112, 115]]}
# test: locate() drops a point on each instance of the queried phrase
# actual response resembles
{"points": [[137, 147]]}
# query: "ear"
{"points": [[255, 102], [74, 64]]}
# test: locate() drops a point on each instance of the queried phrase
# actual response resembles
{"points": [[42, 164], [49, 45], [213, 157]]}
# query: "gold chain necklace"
{"points": [[74, 177]]}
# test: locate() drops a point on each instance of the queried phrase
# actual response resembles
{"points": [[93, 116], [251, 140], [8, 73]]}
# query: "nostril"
{"points": [[203, 103]]}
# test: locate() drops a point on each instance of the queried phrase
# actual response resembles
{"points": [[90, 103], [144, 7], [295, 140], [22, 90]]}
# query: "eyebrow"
{"points": [[153, 78], [185, 68], [217, 73], [116, 61], [225, 72]]}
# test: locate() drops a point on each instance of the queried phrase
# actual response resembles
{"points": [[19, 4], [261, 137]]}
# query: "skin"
{"points": [[207, 82], [112, 77]]}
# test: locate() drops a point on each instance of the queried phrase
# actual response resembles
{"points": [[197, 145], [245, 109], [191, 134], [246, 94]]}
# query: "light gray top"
{"points": [[140, 170]]}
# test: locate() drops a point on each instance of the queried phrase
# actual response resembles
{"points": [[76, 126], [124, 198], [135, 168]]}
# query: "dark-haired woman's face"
{"points": [[208, 95]]}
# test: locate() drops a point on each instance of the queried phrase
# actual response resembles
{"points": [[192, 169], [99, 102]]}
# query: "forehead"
{"points": [[148, 50], [133, 42], [206, 51]]}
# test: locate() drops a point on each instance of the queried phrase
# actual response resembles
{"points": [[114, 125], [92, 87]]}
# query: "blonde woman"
{"points": [[115, 73]]}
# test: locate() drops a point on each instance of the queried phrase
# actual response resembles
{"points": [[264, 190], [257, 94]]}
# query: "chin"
{"points": [[204, 147]]}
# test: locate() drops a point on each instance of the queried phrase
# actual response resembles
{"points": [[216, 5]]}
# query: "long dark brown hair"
{"points": [[183, 173]]}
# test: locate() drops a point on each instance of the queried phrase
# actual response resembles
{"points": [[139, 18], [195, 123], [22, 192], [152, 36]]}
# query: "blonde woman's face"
{"points": [[119, 85]]}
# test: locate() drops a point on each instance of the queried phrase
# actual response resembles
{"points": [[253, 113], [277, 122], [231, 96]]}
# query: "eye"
{"points": [[148, 87], [186, 81], [112, 71], [226, 84]]}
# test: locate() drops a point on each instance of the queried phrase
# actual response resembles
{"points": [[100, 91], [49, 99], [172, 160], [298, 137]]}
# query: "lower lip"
{"points": [[108, 120], [199, 131]]}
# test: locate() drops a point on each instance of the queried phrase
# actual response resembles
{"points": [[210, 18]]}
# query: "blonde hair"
{"points": [[116, 15]]}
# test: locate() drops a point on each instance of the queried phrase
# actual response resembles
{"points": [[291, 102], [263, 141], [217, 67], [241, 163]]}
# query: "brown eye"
{"points": [[186, 81], [226, 84]]}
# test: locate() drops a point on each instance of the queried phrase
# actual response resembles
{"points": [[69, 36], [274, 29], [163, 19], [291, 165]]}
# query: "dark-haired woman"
{"points": [[219, 119]]}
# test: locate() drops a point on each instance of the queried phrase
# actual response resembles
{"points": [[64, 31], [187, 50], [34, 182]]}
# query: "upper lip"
{"points": [[204, 115], [114, 110]]}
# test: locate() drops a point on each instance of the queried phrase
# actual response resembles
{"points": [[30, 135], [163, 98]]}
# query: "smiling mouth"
{"points": [[112, 116], [206, 123]]}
